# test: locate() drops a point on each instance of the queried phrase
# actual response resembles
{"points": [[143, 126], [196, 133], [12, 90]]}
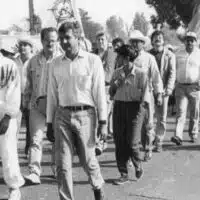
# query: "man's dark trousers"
{"points": [[127, 125]]}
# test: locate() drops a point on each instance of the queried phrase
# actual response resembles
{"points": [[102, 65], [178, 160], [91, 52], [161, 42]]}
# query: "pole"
{"points": [[31, 17]]}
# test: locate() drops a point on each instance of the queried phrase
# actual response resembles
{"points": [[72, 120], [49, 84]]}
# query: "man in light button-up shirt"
{"points": [[35, 96], [187, 88], [76, 88]]}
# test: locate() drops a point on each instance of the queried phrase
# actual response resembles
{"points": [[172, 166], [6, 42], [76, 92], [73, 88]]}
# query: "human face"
{"points": [[158, 41], [25, 49], [50, 42], [102, 42], [138, 45], [69, 42], [126, 63], [117, 46], [190, 44]]}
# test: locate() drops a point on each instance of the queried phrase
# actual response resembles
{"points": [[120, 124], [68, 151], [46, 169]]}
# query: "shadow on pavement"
{"points": [[173, 147]]}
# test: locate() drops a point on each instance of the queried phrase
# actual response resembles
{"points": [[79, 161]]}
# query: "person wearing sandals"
{"points": [[187, 90]]}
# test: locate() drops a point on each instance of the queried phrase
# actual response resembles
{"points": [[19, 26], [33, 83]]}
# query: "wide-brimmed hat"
{"points": [[137, 35], [191, 34], [26, 40]]}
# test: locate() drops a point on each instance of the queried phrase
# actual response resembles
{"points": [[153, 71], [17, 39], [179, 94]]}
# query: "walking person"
{"points": [[10, 99], [147, 62], [25, 48], [76, 91], [167, 66], [35, 94], [187, 90], [108, 57]]}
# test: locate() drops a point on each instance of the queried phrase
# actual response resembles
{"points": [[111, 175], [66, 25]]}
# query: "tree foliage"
{"points": [[174, 12], [140, 23], [89, 26], [116, 27]]}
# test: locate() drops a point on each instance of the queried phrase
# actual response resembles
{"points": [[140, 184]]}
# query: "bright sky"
{"points": [[14, 11]]}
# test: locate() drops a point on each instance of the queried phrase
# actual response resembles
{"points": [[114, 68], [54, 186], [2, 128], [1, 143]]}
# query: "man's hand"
{"points": [[159, 99], [4, 124], [102, 131], [50, 133], [168, 92]]}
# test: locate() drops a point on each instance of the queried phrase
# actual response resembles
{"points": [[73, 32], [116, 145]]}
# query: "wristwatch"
{"points": [[102, 122]]}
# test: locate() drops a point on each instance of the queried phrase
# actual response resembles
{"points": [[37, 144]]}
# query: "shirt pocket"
{"points": [[84, 82]]}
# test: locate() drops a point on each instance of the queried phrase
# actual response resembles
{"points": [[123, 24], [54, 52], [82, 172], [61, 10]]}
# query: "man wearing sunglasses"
{"points": [[187, 88]]}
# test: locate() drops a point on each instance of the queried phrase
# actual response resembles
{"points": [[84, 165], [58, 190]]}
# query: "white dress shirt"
{"points": [[188, 66], [77, 82]]}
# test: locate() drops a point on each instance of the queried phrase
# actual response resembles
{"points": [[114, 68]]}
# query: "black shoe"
{"points": [[139, 172], [122, 180], [176, 140], [158, 148], [194, 140], [99, 194]]}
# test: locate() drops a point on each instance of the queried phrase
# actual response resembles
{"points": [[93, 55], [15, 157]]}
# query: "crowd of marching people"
{"points": [[78, 96]]}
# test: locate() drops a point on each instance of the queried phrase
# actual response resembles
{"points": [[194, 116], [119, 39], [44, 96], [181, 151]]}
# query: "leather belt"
{"points": [[76, 108]]}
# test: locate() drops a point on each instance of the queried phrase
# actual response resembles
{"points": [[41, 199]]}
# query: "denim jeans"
{"points": [[37, 130], [187, 94], [75, 131], [161, 116], [127, 125]]}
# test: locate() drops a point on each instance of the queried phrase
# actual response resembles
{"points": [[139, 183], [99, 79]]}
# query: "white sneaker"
{"points": [[14, 194], [33, 178]]}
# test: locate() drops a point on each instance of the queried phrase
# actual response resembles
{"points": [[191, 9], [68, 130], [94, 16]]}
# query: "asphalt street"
{"points": [[173, 174]]}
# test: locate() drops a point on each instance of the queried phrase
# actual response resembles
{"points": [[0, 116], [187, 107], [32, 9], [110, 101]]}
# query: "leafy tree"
{"points": [[174, 12], [116, 27], [140, 23], [89, 26]]}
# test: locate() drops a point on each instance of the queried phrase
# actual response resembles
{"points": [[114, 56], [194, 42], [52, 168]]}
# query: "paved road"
{"points": [[172, 175]]}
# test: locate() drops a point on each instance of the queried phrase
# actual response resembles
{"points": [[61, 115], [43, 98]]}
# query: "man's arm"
{"points": [[98, 89], [172, 73], [52, 96]]}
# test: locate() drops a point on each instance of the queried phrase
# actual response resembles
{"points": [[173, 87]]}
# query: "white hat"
{"points": [[137, 35], [27, 40], [191, 34]]}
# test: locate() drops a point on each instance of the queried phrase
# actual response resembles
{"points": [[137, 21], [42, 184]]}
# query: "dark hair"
{"points": [[116, 40], [74, 26], [44, 31], [100, 34], [127, 52], [156, 33]]}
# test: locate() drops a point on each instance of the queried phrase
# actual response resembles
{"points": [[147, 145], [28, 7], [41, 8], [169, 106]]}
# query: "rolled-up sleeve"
{"points": [[98, 89], [11, 105], [155, 76], [52, 95]]}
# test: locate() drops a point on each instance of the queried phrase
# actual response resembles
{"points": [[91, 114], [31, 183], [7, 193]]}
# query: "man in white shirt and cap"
{"points": [[187, 90], [25, 48]]}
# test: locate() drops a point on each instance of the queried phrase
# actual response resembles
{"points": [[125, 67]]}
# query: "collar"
{"points": [[81, 54]]}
